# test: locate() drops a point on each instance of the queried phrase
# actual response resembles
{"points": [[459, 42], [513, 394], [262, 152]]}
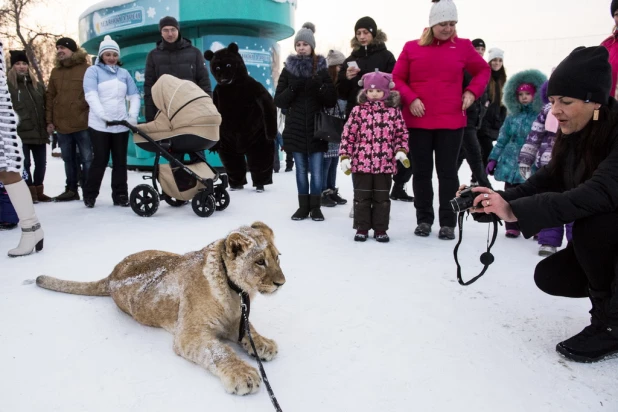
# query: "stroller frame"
{"points": [[144, 198]]}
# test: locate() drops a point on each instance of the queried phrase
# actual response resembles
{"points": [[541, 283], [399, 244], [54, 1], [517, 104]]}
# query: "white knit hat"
{"points": [[495, 53], [108, 44], [441, 11]]}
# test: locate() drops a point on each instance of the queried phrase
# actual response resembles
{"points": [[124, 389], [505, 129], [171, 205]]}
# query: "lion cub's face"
{"points": [[252, 260]]}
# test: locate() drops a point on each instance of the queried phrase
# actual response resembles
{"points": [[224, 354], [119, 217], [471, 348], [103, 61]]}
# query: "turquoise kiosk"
{"points": [[255, 25]]}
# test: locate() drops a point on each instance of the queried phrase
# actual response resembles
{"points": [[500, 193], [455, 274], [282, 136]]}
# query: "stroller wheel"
{"points": [[144, 200], [222, 199], [203, 204], [174, 202]]}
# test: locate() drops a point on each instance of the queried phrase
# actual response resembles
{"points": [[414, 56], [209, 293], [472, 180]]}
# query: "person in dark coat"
{"points": [[304, 89], [580, 185], [28, 97], [176, 56]]}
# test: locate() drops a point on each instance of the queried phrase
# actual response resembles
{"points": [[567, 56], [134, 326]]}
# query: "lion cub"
{"points": [[191, 297]]}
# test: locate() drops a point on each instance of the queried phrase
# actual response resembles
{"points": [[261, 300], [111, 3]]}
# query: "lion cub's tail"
{"points": [[98, 288]]}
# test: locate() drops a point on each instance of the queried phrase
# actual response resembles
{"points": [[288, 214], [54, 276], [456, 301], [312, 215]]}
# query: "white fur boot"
{"points": [[31, 232]]}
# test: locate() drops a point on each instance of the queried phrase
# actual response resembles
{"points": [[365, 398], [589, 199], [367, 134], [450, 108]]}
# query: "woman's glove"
{"points": [[346, 166], [524, 171], [403, 158], [491, 167]]}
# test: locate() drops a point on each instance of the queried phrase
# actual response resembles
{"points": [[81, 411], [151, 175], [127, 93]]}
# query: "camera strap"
{"points": [[486, 258]]}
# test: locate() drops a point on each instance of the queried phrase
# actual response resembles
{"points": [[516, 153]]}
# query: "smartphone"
{"points": [[352, 63]]}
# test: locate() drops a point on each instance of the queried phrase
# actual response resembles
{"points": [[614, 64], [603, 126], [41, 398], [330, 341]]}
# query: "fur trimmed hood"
{"points": [[302, 66], [378, 43], [78, 57], [393, 99], [510, 96]]}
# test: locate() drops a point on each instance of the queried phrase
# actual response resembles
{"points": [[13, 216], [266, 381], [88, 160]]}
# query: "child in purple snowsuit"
{"points": [[8, 217], [536, 153]]}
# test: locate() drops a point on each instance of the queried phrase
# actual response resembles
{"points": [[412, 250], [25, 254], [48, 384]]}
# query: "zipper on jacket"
{"points": [[36, 112]]}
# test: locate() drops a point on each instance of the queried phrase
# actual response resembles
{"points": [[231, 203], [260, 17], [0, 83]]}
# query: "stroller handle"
{"points": [[122, 123]]}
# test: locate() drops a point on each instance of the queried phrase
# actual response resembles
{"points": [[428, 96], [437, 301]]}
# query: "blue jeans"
{"points": [[68, 146], [308, 163], [329, 173]]}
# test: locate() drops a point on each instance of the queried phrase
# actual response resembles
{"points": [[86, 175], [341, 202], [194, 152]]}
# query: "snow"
{"points": [[360, 326]]}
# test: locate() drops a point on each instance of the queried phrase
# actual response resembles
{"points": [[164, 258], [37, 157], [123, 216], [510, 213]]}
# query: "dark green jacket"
{"points": [[29, 104]]}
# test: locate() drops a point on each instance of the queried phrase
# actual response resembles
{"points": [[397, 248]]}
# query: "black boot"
{"points": [[399, 193], [326, 200], [334, 194], [314, 207], [303, 208], [599, 340]]}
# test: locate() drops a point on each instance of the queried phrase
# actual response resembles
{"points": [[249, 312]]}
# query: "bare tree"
{"points": [[34, 40]]}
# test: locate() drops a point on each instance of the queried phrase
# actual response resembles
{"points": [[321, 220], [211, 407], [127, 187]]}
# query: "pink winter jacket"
{"points": [[435, 75], [372, 136], [611, 44]]}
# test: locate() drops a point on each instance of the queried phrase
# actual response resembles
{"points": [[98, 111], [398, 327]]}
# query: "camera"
{"points": [[464, 201]]}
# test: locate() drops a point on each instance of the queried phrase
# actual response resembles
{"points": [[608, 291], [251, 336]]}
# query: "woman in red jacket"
{"points": [[429, 76], [611, 44]]}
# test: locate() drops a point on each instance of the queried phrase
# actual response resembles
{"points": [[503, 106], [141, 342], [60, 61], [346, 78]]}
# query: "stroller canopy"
{"points": [[184, 109]]}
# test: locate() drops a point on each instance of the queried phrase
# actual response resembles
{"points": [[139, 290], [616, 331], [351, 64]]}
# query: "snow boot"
{"points": [[381, 236], [399, 193], [314, 207], [67, 195], [446, 233], [33, 194], [326, 200], [303, 208], [423, 229], [334, 194], [361, 235], [547, 250], [41, 196], [32, 234]]}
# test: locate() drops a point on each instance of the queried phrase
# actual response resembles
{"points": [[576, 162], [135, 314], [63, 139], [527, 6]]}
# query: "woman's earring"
{"points": [[595, 115]]}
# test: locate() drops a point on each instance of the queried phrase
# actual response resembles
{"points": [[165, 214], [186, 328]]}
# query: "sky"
{"points": [[533, 33]]}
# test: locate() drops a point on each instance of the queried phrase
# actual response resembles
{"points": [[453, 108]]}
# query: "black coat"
{"points": [[29, 104], [476, 112], [546, 200], [369, 58], [303, 94], [494, 117], [180, 59]]}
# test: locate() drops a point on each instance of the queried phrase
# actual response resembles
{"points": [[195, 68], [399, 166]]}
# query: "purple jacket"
{"points": [[373, 134], [539, 143]]}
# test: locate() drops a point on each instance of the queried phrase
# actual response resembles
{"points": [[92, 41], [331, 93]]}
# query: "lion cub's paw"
{"points": [[241, 379], [266, 348]]}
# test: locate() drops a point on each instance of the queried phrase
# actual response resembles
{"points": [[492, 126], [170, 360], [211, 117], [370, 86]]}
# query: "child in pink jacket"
{"points": [[373, 139]]}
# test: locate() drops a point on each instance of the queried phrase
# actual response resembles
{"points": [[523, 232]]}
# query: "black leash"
{"points": [[486, 258], [245, 306]]}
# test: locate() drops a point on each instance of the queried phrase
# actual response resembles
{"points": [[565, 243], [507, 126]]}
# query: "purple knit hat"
{"points": [[378, 81]]}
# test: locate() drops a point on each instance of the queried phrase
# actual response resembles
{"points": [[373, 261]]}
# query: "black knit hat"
{"points": [[67, 42], [18, 56], [366, 23], [480, 42], [585, 74], [614, 7], [168, 21]]}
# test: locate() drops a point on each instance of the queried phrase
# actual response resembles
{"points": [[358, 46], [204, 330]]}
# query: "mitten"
{"points": [[524, 171], [403, 158], [491, 167], [346, 166]]}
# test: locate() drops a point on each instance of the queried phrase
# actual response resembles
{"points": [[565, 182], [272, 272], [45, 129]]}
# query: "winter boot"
{"points": [[33, 194], [41, 196], [512, 233], [120, 200], [314, 207], [399, 193], [361, 235], [600, 339], [547, 250], [446, 233], [67, 195], [423, 229], [334, 194], [89, 202], [7, 226], [303, 208], [32, 234], [326, 200], [259, 188], [381, 236]]}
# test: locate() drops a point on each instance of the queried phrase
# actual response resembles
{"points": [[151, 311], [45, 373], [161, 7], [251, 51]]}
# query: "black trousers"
{"points": [[589, 260], [445, 144], [39, 155], [487, 145], [372, 206], [404, 175], [471, 151], [104, 144], [258, 159]]}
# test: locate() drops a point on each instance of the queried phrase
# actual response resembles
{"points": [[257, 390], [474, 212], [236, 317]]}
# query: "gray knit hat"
{"points": [[442, 11], [334, 58], [306, 34]]}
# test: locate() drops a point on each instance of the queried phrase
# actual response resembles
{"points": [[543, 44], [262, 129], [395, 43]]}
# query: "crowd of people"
{"points": [[554, 143]]}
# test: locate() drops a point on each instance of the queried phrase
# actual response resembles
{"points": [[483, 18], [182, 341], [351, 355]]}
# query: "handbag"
{"points": [[328, 127]]}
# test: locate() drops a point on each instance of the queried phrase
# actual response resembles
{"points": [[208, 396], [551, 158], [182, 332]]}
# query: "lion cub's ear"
{"points": [[236, 244], [263, 227]]}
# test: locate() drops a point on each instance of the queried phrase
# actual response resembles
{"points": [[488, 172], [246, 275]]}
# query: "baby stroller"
{"points": [[187, 122]]}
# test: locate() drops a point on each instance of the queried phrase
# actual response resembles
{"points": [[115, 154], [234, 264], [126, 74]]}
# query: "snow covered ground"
{"points": [[360, 327]]}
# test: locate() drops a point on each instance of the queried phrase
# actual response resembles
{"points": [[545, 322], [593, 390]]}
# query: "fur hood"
{"points": [[77, 58], [302, 66], [393, 99], [510, 97], [378, 43]]}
